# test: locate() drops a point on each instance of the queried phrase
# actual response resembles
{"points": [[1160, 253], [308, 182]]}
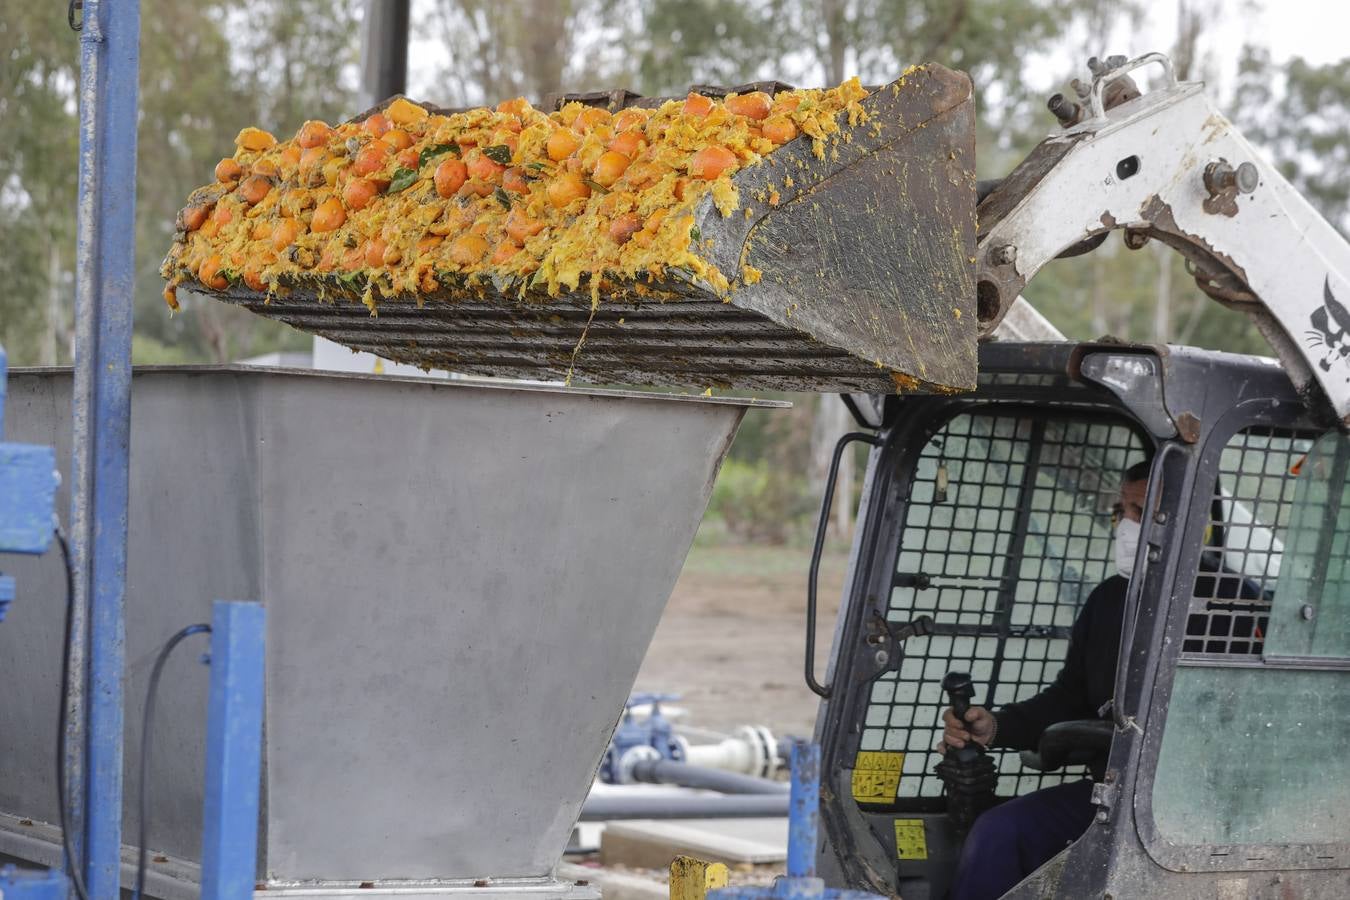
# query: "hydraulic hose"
{"points": [[664, 771]]}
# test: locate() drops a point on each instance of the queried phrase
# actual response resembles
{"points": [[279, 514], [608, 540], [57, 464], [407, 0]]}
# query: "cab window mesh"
{"points": [[1003, 605], [1240, 564]]}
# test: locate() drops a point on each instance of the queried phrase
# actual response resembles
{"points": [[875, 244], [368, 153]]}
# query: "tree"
{"points": [[1300, 115], [208, 67], [500, 49], [683, 42], [207, 70], [37, 182]]}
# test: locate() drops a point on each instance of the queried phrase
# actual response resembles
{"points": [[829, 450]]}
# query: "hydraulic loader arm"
{"points": [[1168, 165]]}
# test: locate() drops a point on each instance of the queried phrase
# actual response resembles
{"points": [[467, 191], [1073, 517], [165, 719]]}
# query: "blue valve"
{"points": [[652, 738]]}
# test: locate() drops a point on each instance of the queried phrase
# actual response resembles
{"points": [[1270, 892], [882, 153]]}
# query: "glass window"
{"points": [[1310, 615], [1254, 756], [1002, 607], [1238, 762], [1249, 509]]}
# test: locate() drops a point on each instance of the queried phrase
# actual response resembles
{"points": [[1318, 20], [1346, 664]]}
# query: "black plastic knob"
{"points": [[960, 691]]}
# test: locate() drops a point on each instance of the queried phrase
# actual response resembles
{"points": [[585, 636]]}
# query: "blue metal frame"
{"points": [[233, 752], [105, 265], [21, 884]]}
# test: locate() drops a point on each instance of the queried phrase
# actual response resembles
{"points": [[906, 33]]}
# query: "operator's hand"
{"points": [[979, 726]]}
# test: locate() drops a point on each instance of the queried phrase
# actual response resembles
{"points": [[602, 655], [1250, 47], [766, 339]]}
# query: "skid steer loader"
{"points": [[986, 520], [985, 517]]}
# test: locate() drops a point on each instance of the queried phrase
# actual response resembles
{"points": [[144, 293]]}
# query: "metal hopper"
{"points": [[446, 660], [867, 276]]}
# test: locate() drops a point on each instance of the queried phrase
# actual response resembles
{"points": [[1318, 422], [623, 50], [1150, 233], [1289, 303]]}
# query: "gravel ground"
{"points": [[731, 639]]}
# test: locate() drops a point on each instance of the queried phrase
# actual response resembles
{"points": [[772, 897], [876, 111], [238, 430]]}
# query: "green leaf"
{"points": [[695, 233], [498, 153], [402, 179], [502, 197], [537, 166], [434, 151]]}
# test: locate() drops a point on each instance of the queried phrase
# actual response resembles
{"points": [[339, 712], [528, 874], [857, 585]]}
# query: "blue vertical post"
{"points": [[803, 810], [234, 720], [104, 281]]}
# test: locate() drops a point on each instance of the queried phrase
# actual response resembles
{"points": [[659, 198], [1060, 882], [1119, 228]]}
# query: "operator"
{"points": [[1013, 839]]}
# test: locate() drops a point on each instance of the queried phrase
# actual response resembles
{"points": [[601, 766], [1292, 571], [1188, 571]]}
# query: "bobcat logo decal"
{"points": [[1330, 329]]}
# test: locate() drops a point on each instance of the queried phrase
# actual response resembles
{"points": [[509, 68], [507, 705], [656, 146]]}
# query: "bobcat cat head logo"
{"points": [[1330, 329]]}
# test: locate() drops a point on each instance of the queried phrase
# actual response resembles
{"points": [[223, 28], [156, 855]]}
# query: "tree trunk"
{"points": [[546, 47], [836, 41], [51, 337]]}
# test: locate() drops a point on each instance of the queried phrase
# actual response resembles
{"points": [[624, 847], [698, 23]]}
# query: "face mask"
{"points": [[1127, 545]]}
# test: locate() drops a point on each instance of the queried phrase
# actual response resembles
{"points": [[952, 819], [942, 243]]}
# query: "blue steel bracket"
{"points": [[800, 882], [234, 722], [28, 483], [21, 884]]}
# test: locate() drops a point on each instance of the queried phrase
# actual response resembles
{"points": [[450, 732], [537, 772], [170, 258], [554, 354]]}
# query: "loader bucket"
{"points": [[850, 272]]}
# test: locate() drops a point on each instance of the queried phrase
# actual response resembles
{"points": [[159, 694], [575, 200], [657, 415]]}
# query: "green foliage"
{"points": [[37, 172], [817, 42], [1300, 115], [705, 41], [146, 351], [208, 67], [762, 494], [500, 49], [760, 502]]}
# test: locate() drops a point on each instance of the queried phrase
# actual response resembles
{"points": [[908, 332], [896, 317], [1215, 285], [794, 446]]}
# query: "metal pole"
{"points": [[105, 265], [384, 69], [803, 811], [233, 752]]}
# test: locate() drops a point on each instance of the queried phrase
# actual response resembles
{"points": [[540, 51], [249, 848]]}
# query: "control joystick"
{"points": [[968, 772]]}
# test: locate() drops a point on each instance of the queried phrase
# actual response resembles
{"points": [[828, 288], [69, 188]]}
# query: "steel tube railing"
{"points": [[104, 280]]}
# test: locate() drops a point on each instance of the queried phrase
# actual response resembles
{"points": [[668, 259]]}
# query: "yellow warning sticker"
{"points": [[910, 842], [876, 775]]}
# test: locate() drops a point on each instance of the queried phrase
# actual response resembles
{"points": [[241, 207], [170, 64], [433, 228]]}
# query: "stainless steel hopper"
{"points": [[461, 581]]}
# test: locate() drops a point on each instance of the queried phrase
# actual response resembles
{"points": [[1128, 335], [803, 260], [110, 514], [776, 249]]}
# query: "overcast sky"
{"points": [[1317, 30]]}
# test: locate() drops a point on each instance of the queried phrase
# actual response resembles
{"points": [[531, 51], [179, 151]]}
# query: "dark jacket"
{"points": [[1085, 683]]}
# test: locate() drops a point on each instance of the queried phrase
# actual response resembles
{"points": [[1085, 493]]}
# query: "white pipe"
{"points": [[751, 750]]}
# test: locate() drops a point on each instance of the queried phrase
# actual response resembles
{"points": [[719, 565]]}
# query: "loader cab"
{"points": [[990, 513]]}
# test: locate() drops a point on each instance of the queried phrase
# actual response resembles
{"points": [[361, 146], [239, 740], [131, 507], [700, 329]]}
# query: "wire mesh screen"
{"points": [[1006, 532], [1249, 512]]}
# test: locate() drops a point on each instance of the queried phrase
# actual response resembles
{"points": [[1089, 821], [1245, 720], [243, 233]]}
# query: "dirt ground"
{"points": [[732, 638]]}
